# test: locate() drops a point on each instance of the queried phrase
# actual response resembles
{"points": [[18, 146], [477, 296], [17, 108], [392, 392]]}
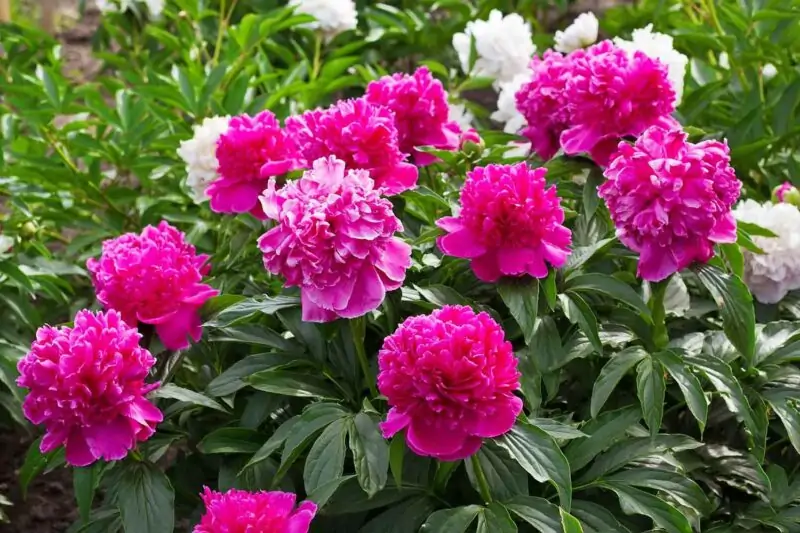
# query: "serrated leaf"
{"points": [[325, 461], [370, 453], [612, 372]]}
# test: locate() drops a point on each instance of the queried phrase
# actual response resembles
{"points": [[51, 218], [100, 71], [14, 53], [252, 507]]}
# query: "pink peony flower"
{"points": [[421, 111], [239, 511], [543, 103], [335, 240], [155, 278], [450, 379], [786, 193], [361, 134], [510, 223], [87, 387], [470, 139], [252, 150], [612, 94], [671, 200]]}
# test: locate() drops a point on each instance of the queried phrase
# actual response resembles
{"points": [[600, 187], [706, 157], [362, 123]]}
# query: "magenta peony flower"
{"points": [[251, 151], [239, 511], [470, 139], [335, 240], [361, 134], [421, 111], [786, 193], [612, 94], [450, 379], [155, 278], [87, 387], [543, 103], [510, 223], [671, 200]]}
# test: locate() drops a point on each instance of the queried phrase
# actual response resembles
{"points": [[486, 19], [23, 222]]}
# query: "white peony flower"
{"points": [[769, 71], [659, 46], [200, 155], [581, 33], [517, 149], [6, 243], [724, 61], [461, 116], [507, 111], [333, 16], [772, 275], [155, 7], [504, 46]]}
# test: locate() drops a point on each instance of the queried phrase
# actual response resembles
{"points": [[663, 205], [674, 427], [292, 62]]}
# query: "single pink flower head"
{"points": [[156, 278], [543, 103], [450, 379], [421, 111], [335, 239], [361, 134], [86, 385], [510, 224], [470, 139], [671, 200], [239, 511], [786, 193], [612, 94], [249, 153]]}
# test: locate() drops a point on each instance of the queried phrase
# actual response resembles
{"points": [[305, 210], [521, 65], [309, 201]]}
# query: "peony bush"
{"points": [[436, 267]]}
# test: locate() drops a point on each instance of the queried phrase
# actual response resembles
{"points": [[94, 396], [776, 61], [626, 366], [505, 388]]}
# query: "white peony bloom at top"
{"points": [[659, 46], [6, 243], [504, 46], [581, 33], [769, 71], [155, 7], [200, 155], [772, 275], [507, 111], [461, 116], [333, 16]]}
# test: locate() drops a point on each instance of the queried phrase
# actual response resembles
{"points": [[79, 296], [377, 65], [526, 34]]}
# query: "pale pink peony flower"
{"points": [[252, 150], [510, 223], [155, 278], [421, 111], [671, 200], [361, 134], [87, 386], [335, 239], [613, 94], [239, 511], [449, 378]]}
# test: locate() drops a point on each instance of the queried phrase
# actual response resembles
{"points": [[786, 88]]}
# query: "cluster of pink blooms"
{"points": [[155, 278], [87, 386], [671, 200], [239, 511], [449, 378], [587, 101], [510, 223]]}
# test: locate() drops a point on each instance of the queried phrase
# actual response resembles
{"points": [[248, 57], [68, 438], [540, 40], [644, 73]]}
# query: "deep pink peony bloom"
{"points": [[469, 139], [671, 200], [421, 111], [239, 511], [611, 95], [510, 223], [335, 240], [450, 379], [249, 153], [361, 134], [155, 278], [87, 387], [543, 103], [785, 192]]}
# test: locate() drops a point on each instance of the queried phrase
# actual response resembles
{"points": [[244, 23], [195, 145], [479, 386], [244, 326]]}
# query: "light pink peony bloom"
{"points": [[252, 150], [335, 239], [671, 200], [612, 94], [154, 278], [450, 379], [543, 103], [510, 223], [86, 385], [421, 111], [361, 134], [239, 511]]}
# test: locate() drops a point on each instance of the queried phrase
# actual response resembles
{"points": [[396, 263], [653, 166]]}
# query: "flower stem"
{"points": [[658, 291], [480, 476], [358, 328], [317, 57]]}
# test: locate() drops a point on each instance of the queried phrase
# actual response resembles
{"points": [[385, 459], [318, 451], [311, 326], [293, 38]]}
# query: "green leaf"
{"points": [[783, 402], [84, 481], [736, 308], [230, 440], [733, 254], [603, 431], [578, 312], [688, 383], [172, 391], [289, 383], [596, 518], [556, 429], [402, 518], [683, 489], [611, 287], [570, 523], [495, 519], [397, 452], [325, 491], [145, 499], [34, 464], [325, 461], [370, 453], [233, 378], [611, 373], [754, 229], [246, 308], [274, 442], [13, 272], [651, 388], [546, 348], [664, 515], [522, 300], [590, 198], [582, 254], [541, 457], [455, 520], [538, 512], [504, 476]]}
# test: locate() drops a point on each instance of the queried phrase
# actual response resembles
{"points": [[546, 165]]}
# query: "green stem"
{"points": [[358, 328], [317, 57], [658, 290], [480, 476]]}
